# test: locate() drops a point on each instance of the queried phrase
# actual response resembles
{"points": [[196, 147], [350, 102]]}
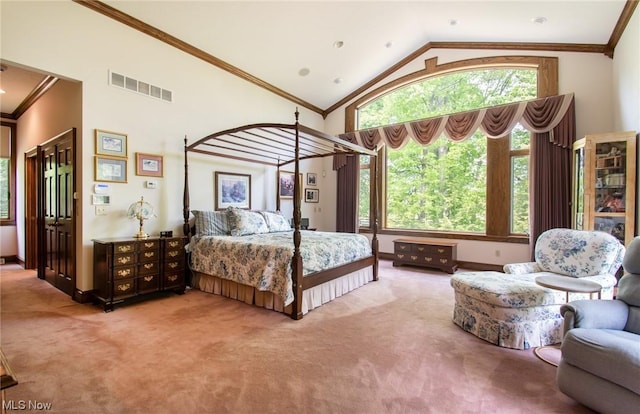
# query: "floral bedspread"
{"points": [[264, 260]]}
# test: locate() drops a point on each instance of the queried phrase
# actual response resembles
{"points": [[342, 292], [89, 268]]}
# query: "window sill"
{"points": [[513, 238]]}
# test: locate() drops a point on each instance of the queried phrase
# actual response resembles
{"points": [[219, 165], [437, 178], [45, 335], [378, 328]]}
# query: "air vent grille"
{"points": [[143, 88]]}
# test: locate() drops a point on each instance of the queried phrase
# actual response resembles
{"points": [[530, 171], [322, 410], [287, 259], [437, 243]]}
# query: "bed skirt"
{"points": [[311, 298]]}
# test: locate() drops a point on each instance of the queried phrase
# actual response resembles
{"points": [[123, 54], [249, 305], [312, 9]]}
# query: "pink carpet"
{"points": [[388, 347]]}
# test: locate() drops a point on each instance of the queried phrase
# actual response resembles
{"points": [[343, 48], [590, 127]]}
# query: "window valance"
{"points": [[538, 116]]}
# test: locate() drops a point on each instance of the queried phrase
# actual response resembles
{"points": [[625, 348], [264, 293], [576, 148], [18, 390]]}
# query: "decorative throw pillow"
{"points": [[211, 223], [276, 222], [245, 222]]}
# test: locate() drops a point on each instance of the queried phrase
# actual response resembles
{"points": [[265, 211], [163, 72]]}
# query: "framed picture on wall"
{"points": [[232, 190], [110, 169], [312, 179], [148, 164], [110, 143], [311, 195], [286, 183]]}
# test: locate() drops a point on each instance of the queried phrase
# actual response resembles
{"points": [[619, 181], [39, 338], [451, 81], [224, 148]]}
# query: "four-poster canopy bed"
{"points": [[276, 267]]}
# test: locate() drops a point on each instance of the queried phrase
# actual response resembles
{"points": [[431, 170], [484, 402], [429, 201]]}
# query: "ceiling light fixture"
{"points": [[453, 22], [338, 44], [337, 80], [539, 20], [304, 72], [388, 45]]}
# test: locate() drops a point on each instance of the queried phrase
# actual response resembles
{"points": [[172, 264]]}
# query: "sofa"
{"points": [[600, 362], [510, 310]]}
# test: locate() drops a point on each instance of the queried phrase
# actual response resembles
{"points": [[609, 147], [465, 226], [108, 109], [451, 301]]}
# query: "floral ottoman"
{"points": [[512, 311]]}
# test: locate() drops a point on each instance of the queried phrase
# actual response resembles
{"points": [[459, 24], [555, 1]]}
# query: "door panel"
{"points": [[58, 205]]}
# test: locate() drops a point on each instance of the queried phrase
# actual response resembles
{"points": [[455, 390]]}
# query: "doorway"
{"points": [[50, 199]]}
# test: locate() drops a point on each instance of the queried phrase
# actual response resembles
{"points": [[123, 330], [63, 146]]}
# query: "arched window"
{"points": [[474, 188]]}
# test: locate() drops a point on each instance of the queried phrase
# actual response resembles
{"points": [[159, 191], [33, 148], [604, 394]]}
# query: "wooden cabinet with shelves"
{"points": [[604, 184], [124, 268]]}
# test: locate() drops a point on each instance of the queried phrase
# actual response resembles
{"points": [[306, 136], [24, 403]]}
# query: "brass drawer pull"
{"points": [[440, 250], [124, 272], [414, 257], [125, 248], [174, 253], [124, 287], [124, 259], [149, 244], [400, 256], [428, 259], [148, 278], [173, 278], [420, 249], [174, 243], [173, 265], [149, 265], [402, 247], [149, 254], [443, 261]]}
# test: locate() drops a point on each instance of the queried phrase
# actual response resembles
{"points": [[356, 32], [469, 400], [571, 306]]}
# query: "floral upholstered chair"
{"points": [[574, 253], [511, 310]]}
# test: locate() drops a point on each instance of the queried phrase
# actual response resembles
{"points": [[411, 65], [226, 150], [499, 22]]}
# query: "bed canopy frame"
{"points": [[278, 145]]}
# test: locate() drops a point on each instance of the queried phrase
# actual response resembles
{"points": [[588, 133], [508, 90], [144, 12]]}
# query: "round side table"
{"points": [[570, 284]]}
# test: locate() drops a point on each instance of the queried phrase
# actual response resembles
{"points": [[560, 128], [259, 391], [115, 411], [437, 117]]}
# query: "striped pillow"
{"points": [[211, 223]]}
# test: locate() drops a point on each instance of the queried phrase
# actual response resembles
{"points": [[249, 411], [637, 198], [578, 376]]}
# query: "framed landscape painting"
{"points": [[232, 190], [286, 183], [110, 143]]}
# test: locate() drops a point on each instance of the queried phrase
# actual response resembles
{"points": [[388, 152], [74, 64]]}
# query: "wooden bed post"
{"points": [[185, 196], [296, 262], [374, 214]]}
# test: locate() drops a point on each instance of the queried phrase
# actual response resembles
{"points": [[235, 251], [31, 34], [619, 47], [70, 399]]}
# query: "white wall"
{"points": [[626, 85], [67, 39]]}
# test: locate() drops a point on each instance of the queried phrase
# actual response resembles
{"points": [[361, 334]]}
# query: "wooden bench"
{"points": [[430, 253]]}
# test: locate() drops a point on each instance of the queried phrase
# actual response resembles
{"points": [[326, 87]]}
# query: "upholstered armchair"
{"points": [[576, 253], [513, 311], [600, 364]]}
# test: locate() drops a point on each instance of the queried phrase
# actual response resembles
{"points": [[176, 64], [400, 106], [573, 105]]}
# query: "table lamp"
{"points": [[141, 210]]}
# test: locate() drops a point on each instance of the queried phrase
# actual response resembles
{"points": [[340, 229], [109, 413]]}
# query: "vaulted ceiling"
{"points": [[321, 53]]}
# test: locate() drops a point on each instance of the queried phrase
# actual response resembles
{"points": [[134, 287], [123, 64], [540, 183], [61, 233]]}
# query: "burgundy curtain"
{"points": [[551, 121], [550, 180], [347, 195]]}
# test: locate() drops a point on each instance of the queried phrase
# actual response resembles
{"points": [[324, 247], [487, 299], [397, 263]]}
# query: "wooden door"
{"points": [[56, 212]]}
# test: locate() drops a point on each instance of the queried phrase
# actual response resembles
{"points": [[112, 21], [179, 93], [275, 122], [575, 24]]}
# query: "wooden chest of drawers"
{"points": [[124, 268], [431, 253]]}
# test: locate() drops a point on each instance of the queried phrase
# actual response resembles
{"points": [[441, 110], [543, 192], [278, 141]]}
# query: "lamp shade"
{"points": [[141, 210]]}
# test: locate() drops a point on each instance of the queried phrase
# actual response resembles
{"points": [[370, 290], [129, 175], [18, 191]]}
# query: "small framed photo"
{"points": [[112, 144], [110, 169], [232, 190], [148, 164], [311, 195], [286, 183], [312, 179]]}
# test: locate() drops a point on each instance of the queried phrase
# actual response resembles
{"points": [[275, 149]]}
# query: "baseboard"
{"points": [[9, 259], [83, 296], [461, 264]]}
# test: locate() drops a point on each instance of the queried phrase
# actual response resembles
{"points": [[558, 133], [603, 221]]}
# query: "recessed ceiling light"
{"points": [[453, 22], [304, 72], [388, 45], [539, 20], [337, 80], [338, 44]]}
